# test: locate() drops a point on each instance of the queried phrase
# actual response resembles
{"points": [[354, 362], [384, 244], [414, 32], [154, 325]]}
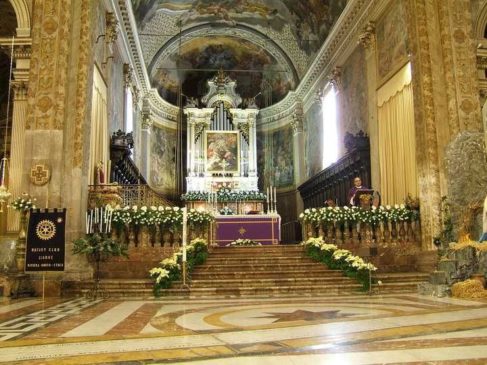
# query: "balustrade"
{"points": [[358, 234]]}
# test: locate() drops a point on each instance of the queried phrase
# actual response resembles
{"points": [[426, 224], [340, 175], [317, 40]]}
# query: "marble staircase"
{"points": [[255, 271], [266, 271]]}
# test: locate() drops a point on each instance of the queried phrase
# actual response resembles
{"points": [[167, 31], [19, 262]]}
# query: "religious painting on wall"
{"points": [[314, 139], [222, 151], [392, 41], [282, 157], [163, 159], [353, 96]]}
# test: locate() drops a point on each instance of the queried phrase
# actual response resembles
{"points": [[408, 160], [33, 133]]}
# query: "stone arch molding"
{"points": [[23, 15], [481, 22], [238, 31]]}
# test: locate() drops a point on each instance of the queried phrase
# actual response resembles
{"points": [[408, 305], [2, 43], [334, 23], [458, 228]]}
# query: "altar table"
{"points": [[262, 228]]}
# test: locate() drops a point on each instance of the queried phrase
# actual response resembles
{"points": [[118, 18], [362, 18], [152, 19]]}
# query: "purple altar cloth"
{"points": [[265, 229]]}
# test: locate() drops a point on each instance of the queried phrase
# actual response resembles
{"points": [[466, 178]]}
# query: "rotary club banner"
{"points": [[45, 240]]}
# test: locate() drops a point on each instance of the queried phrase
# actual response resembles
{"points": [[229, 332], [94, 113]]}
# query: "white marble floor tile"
{"points": [[18, 305], [357, 358], [106, 321]]}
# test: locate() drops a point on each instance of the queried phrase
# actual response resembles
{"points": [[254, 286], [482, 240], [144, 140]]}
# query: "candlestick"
{"points": [[86, 223]]}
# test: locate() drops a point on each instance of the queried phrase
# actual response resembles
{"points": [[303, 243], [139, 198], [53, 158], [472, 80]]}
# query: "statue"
{"points": [[99, 173]]}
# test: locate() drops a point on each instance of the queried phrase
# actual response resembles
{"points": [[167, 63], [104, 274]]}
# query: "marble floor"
{"points": [[377, 329]]}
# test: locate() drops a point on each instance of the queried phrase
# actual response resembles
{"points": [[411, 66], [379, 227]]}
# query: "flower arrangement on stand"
{"points": [[338, 259], [170, 269], [98, 247], [23, 203], [244, 242]]}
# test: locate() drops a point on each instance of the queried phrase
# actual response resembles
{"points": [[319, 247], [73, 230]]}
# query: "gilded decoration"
{"points": [[82, 82], [40, 174], [424, 110], [456, 23], [46, 109]]}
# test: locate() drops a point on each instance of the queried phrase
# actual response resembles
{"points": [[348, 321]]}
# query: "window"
{"points": [[330, 135]]}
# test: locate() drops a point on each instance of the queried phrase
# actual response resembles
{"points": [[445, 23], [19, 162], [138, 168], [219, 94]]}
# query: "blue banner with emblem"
{"points": [[45, 245]]}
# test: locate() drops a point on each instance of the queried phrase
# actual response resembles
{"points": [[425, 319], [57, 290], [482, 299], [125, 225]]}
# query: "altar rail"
{"points": [[142, 195], [158, 236], [125, 195], [385, 234]]}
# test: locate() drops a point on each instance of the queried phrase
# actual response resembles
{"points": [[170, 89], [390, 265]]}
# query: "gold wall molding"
{"points": [[49, 65], [84, 70]]}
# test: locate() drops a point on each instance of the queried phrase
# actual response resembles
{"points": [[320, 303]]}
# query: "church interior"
{"points": [[243, 182]]}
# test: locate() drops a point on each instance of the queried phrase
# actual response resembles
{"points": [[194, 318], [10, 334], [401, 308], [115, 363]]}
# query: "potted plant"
{"points": [[98, 247]]}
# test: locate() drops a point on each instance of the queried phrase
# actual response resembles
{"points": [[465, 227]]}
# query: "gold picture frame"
{"points": [[222, 152]]}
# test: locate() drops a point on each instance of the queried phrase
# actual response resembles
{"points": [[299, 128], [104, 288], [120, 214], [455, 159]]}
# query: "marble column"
{"points": [[17, 149], [145, 140], [445, 88], [297, 124]]}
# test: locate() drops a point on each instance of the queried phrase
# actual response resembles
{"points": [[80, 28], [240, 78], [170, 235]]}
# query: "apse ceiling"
{"points": [[265, 45]]}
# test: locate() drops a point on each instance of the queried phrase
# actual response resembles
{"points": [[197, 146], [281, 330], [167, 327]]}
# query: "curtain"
{"points": [[99, 140], [397, 142]]}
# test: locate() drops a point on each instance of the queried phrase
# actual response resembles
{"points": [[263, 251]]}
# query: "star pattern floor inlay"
{"points": [[390, 329]]}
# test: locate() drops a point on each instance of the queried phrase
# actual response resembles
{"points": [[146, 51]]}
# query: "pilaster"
{"points": [[367, 39]]}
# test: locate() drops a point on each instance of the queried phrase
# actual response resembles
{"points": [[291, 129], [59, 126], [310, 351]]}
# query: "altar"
{"points": [[263, 228], [222, 166]]}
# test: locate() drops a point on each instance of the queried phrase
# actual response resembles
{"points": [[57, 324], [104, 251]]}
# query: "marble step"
{"points": [[257, 260], [254, 249], [401, 277], [200, 274], [344, 289], [269, 282], [282, 267], [395, 288]]}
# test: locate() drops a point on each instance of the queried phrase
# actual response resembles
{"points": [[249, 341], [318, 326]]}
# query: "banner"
{"points": [[45, 240]]}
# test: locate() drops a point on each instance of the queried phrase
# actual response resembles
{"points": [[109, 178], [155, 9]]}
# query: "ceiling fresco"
{"points": [[297, 28], [200, 61]]}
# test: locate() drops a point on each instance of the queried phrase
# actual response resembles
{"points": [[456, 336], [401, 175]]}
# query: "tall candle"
{"points": [[185, 219], [275, 198], [91, 221], [87, 223], [270, 197]]}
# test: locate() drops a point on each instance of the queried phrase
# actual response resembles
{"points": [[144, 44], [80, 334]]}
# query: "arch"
{"points": [[22, 12], [240, 31]]}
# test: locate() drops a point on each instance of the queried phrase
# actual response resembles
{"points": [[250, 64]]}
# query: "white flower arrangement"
{"points": [[23, 203], [159, 273]]}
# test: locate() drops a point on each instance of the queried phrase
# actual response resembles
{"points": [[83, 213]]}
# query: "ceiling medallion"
{"points": [[40, 174]]}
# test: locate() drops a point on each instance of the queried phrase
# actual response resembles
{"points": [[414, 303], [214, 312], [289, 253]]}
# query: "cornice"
{"points": [[341, 41], [161, 108]]}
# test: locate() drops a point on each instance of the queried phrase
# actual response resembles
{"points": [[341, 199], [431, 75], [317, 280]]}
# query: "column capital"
{"points": [[111, 27], [335, 77], [367, 37], [20, 90], [297, 118]]}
